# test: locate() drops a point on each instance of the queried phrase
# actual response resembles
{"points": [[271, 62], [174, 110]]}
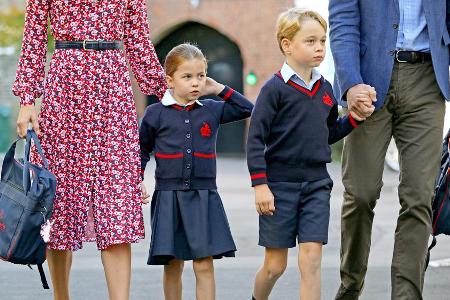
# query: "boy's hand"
{"points": [[212, 87], [144, 195], [264, 200]]}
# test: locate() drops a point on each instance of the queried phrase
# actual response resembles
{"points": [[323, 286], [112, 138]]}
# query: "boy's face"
{"points": [[307, 48], [188, 81]]}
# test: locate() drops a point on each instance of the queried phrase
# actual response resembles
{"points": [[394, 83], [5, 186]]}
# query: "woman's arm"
{"points": [[141, 52], [29, 83]]}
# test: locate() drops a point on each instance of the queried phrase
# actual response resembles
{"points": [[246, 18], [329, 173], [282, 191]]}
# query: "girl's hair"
{"points": [[179, 54], [290, 21]]}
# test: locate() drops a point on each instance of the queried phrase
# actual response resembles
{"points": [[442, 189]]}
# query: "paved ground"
{"points": [[235, 276]]}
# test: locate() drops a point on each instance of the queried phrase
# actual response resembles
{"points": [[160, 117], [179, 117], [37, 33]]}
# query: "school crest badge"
{"points": [[327, 99], [205, 130]]}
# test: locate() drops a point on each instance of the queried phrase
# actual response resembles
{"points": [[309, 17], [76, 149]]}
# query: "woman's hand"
{"points": [[212, 87], [144, 195], [264, 200], [27, 115]]}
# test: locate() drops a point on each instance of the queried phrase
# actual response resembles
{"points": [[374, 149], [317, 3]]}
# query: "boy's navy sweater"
{"points": [[291, 129], [183, 139]]}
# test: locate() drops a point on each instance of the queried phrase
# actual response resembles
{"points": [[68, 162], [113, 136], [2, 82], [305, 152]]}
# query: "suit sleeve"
{"points": [[236, 107], [345, 44], [447, 20], [263, 114]]}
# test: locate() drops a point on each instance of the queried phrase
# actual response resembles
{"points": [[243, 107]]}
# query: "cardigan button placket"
{"points": [[188, 149]]}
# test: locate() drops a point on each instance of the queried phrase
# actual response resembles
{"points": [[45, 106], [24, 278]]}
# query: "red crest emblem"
{"points": [[327, 99], [205, 130]]}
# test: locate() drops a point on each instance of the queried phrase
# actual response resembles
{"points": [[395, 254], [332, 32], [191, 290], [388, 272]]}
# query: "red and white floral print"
{"points": [[88, 117]]}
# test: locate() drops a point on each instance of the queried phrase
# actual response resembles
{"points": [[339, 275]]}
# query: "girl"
{"points": [[188, 219], [88, 126]]}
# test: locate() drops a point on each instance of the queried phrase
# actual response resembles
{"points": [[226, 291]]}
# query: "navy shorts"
{"points": [[302, 212]]}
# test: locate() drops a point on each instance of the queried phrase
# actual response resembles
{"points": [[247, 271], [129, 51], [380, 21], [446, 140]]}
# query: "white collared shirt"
{"points": [[169, 100], [288, 73]]}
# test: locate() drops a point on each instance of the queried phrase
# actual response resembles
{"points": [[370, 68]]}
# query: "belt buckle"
{"points": [[85, 43], [396, 56]]}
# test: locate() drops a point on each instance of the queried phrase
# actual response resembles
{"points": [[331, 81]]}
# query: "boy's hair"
{"points": [[181, 53], [289, 23]]}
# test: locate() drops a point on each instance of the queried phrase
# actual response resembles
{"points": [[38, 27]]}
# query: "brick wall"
{"points": [[249, 23]]}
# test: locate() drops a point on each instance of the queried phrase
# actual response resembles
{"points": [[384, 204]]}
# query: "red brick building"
{"points": [[237, 36]]}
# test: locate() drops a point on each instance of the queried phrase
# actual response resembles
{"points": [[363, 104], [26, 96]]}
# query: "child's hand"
{"points": [[264, 200], [144, 195], [212, 87]]}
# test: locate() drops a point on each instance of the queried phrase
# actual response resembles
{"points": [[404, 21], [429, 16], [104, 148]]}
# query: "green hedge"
{"points": [[11, 28]]}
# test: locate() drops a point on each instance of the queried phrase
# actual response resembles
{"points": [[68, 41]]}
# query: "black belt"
{"points": [[411, 57], [89, 45]]}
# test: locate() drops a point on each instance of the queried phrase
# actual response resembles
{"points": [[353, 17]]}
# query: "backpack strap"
{"points": [[43, 279], [42, 274]]}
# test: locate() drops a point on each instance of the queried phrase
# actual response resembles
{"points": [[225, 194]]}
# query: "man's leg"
{"points": [[362, 170], [417, 128]]}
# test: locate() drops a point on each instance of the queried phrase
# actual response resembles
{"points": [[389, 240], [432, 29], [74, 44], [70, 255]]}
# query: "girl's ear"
{"points": [[285, 45], [169, 81]]}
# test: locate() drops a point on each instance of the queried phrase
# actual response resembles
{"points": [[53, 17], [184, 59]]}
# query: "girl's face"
{"points": [[188, 81], [307, 48]]}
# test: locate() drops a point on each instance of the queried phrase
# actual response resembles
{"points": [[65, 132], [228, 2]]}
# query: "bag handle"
{"points": [[9, 158], [31, 136]]}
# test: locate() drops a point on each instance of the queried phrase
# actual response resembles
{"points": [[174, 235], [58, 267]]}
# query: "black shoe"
{"points": [[345, 294]]}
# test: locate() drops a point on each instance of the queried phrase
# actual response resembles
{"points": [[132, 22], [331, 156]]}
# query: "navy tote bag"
{"points": [[26, 202]]}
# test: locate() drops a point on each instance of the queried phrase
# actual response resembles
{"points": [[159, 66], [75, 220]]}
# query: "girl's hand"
{"points": [[27, 115], [264, 200], [144, 195], [212, 87]]}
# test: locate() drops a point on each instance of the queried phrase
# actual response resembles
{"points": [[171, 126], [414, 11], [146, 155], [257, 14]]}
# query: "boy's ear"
{"points": [[169, 81], [285, 45]]}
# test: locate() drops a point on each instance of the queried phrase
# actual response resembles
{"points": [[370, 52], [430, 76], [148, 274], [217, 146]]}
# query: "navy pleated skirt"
{"points": [[188, 225]]}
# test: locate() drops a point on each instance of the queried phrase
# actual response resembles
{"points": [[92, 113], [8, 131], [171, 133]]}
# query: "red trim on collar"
{"points": [[188, 108], [176, 106], [311, 93]]}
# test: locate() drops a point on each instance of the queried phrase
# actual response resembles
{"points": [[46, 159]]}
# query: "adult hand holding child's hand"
{"points": [[360, 100]]}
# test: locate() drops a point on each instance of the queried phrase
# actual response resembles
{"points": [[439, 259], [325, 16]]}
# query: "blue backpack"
{"points": [[441, 201], [25, 205]]}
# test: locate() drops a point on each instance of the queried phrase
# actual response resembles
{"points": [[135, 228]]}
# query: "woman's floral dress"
{"points": [[88, 117]]}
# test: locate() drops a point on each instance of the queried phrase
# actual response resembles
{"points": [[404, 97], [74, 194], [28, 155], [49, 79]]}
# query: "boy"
{"points": [[294, 121]]}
